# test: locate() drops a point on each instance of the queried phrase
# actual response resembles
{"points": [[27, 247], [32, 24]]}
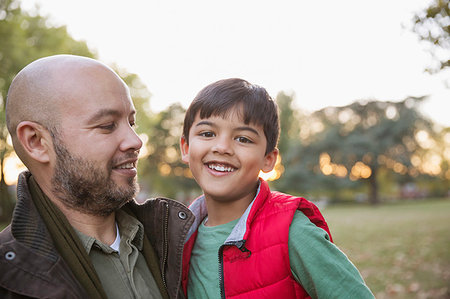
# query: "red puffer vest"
{"points": [[254, 260]]}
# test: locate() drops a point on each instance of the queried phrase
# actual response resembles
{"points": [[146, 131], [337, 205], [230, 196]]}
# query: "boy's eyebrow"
{"points": [[243, 128], [204, 123]]}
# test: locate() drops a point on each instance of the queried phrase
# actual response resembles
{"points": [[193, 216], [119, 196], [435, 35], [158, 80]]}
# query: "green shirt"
{"points": [[124, 275], [316, 263], [204, 263]]}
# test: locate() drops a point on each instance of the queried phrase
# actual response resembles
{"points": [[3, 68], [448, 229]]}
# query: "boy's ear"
{"points": [[270, 160], [184, 146], [35, 140]]}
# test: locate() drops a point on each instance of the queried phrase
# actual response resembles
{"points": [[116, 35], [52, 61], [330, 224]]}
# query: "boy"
{"points": [[249, 242]]}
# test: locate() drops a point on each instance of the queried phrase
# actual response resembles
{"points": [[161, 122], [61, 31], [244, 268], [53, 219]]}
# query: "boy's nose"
{"points": [[222, 146]]}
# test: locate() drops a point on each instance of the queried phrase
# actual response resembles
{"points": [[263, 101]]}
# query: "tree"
{"points": [[359, 140], [433, 26], [24, 38], [289, 144], [163, 170], [302, 175], [288, 123]]}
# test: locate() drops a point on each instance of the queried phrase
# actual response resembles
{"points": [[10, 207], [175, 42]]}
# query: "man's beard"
{"points": [[85, 187]]}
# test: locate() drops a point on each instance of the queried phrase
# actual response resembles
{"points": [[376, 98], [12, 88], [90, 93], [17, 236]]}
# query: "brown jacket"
{"points": [[31, 266]]}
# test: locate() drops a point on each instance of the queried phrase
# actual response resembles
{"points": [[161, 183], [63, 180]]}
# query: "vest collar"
{"points": [[198, 208]]}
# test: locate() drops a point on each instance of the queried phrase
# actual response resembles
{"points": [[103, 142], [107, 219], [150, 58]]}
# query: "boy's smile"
{"points": [[225, 156], [220, 167]]}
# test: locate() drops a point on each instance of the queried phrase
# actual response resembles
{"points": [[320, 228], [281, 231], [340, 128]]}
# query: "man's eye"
{"points": [[108, 127], [207, 134], [243, 140]]}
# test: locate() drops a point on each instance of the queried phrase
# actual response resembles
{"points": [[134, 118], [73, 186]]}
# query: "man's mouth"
{"points": [[126, 166], [221, 167]]}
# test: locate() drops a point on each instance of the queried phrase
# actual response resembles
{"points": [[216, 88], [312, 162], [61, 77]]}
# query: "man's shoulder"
{"points": [[158, 208], [155, 203]]}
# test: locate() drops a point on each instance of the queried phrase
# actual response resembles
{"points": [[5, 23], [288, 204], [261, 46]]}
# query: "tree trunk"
{"points": [[373, 188], [6, 202]]}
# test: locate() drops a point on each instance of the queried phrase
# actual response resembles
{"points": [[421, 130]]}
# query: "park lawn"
{"points": [[401, 249]]}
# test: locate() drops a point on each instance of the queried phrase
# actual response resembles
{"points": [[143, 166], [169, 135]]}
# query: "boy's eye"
{"points": [[207, 134], [243, 140]]}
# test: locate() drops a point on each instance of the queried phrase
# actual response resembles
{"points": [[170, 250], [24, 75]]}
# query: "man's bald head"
{"points": [[39, 89]]}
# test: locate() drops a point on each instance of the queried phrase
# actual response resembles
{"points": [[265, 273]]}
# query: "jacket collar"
{"points": [[198, 208], [27, 225]]}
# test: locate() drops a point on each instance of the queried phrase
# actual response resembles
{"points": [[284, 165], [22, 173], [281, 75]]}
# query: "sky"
{"points": [[326, 53]]}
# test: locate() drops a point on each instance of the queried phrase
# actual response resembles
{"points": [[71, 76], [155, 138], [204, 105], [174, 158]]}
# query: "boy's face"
{"points": [[225, 156]]}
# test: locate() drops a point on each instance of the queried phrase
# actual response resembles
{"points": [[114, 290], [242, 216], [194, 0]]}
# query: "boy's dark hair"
{"points": [[219, 98]]}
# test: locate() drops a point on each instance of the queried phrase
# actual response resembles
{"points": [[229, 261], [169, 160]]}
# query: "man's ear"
{"points": [[35, 140], [184, 146], [270, 160]]}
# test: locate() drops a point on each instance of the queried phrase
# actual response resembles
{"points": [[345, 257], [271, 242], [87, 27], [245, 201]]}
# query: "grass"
{"points": [[401, 249]]}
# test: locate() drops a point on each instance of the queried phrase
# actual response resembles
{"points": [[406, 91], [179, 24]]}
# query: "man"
{"points": [[76, 231]]}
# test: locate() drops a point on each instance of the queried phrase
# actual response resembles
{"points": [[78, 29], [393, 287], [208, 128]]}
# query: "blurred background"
{"points": [[363, 90]]}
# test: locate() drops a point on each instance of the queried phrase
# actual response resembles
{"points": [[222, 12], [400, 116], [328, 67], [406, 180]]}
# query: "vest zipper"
{"points": [[221, 282], [241, 246], [166, 244]]}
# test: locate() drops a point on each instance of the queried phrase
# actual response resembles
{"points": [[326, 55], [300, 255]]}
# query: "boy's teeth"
{"points": [[126, 166], [221, 168]]}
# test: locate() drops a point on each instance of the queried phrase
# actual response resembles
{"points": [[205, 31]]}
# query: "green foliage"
{"points": [[401, 249], [365, 130], [141, 99], [25, 38], [433, 26], [289, 127]]}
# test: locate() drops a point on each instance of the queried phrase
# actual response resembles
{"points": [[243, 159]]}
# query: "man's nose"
{"points": [[131, 140]]}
